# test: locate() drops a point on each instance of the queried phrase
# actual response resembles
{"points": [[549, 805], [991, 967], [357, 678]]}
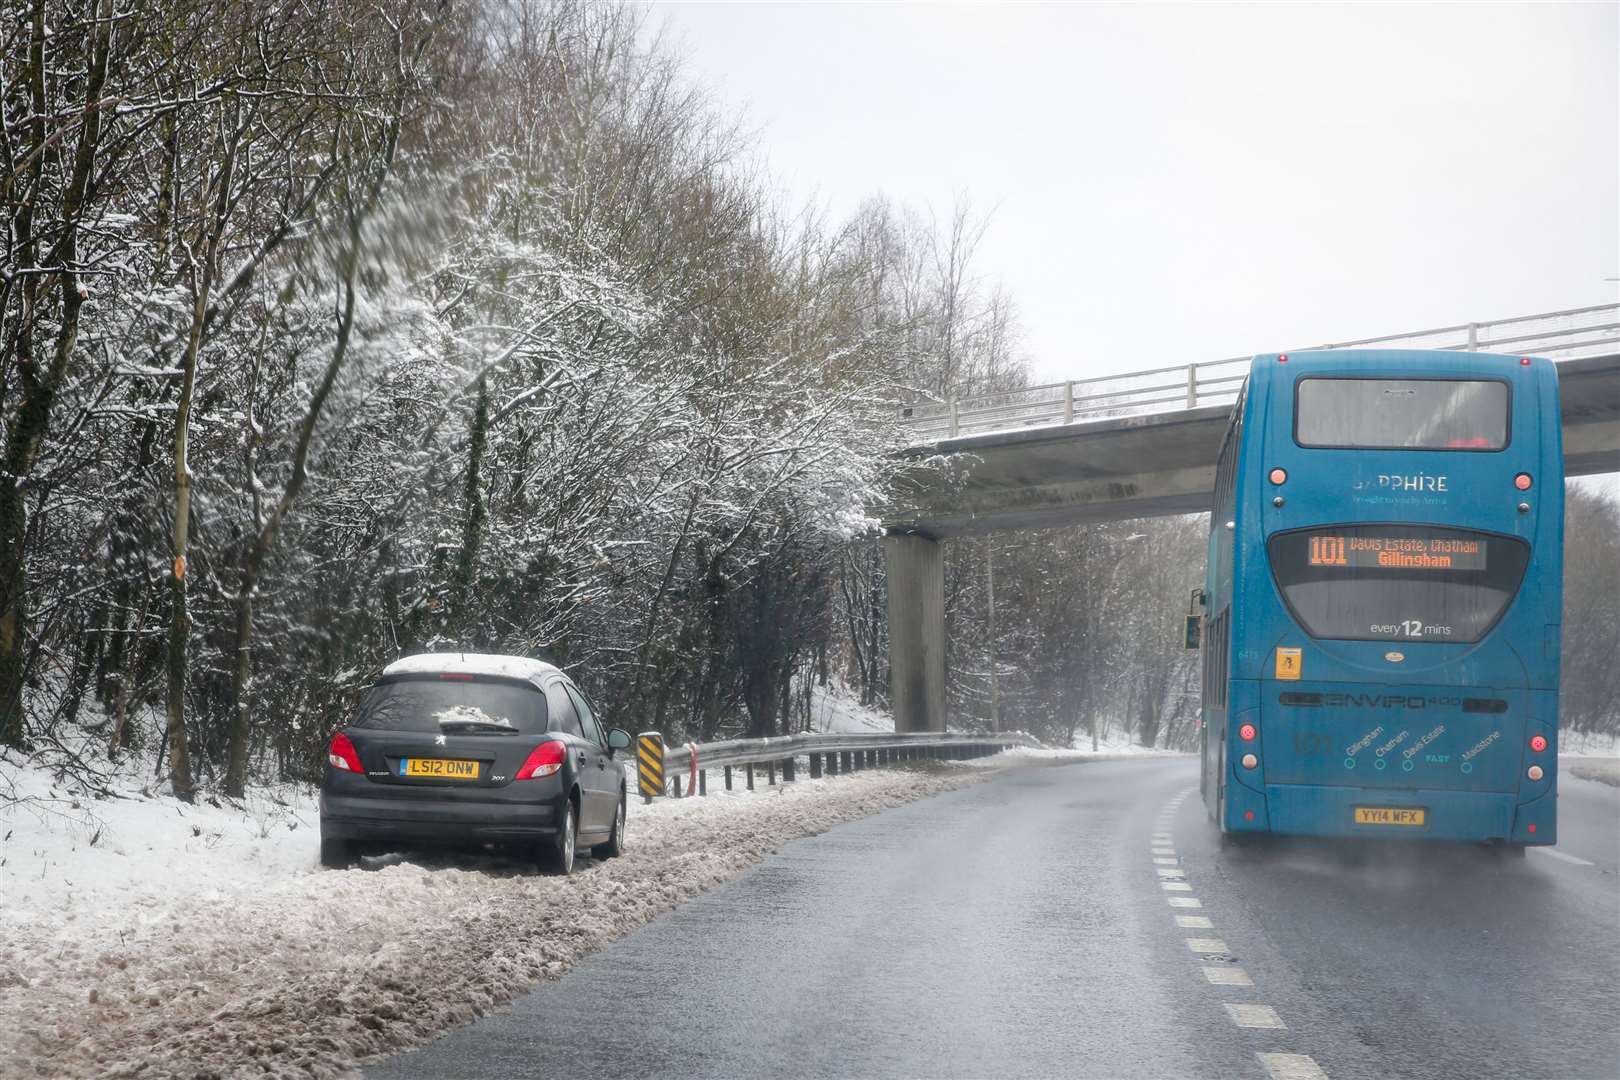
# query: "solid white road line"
{"points": [[1184, 901], [1292, 1067], [1227, 976], [1206, 945], [1575, 860], [1254, 1016], [1194, 922]]}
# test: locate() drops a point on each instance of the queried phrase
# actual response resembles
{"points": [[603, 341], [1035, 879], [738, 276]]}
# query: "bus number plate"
{"points": [[1390, 815]]}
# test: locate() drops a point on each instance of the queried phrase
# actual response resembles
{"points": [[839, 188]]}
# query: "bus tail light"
{"points": [[1282, 358], [1279, 475], [1524, 361], [1535, 772], [1522, 481], [1250, 761], [1538, 743], [1247, 733]]}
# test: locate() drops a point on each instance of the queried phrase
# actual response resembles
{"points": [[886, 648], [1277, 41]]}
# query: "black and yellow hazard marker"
{"points": [[650, 763]]}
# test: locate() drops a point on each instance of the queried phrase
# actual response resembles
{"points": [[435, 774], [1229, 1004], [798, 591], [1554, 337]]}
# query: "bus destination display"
{"points": [[1398, 552]]}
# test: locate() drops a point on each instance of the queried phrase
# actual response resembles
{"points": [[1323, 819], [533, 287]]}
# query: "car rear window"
{"points": [[461, 705], [1401, 414]]}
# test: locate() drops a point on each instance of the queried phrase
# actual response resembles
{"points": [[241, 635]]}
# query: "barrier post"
{"points": [[650, 764]]}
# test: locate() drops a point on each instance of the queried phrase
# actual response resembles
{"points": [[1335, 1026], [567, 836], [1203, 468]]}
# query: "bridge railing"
{"points": [[1560, 335], [835, 752]]}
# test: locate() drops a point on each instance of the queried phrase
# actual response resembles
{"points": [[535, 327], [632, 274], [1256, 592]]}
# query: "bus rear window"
{"points": [[1401, 414], [1397, 582]]}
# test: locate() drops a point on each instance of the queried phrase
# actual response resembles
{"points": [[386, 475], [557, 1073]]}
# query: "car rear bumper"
{"points": [[345, 817]]}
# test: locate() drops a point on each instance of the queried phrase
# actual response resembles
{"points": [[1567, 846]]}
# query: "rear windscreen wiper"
{"points": [[477, 725]]}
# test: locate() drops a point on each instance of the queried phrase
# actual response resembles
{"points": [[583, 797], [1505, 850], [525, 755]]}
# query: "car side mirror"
{"points": [[618, 739], [1194, 631]]}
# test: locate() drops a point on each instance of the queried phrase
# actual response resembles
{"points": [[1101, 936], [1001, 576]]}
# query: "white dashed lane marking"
{"points": [[1167, 866], [1575, 860], [1254, 1016], [1227, 976], [1292, 1067]]}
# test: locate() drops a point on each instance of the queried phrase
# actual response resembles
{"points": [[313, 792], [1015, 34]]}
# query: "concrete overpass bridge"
{"points": [[1144, 445]]}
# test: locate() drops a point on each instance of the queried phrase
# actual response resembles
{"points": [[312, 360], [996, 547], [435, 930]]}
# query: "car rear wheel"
{"points": [[557, 856], [615, 845], [335, 854]]}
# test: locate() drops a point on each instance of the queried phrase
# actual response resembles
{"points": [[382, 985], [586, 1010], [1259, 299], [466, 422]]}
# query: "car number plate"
{"points": [[1390, 815], [439, 768]]}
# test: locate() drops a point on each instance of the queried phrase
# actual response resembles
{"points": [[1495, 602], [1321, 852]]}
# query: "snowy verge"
{"points": [[1041, 755], [1603, 770], [161, 940]]}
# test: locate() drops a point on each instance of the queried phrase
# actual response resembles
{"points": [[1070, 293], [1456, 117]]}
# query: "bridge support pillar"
{"points": [[916, 584]]}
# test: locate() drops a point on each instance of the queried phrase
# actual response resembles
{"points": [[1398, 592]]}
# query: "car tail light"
{"points": [[1535, 772], [1538, 743], [1247, 733], [543, 760], [1531, 827], [1524, 361], [1282, 358], [343, 755], [1278, 476], [1248, 815], [1250, 761], [1522, 481], [454, 676]]}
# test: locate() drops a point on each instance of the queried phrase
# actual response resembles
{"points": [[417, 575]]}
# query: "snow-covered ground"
{"points": [[142, 938], [835, 708]]}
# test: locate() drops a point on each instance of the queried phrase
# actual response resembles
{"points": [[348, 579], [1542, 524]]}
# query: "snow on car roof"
{"points": [[459, 663]]}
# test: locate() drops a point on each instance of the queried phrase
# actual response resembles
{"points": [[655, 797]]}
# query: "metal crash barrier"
{"points": [[827, 754]]}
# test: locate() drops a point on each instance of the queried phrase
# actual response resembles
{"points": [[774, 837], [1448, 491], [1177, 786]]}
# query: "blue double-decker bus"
{"points": [[1381, 610]]}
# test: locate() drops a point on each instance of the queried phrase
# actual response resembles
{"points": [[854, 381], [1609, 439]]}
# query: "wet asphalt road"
{"points": [[1021, 928]]}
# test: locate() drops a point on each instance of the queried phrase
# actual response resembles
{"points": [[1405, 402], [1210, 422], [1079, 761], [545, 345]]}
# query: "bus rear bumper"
{"points": [[1460, 816]]}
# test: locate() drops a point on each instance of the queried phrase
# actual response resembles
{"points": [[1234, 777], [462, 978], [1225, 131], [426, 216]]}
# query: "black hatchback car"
{"points": [[467, 749]]}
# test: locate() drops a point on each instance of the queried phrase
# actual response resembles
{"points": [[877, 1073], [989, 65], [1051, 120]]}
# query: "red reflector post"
{"points": [[1247, 733], [544, 760], [343, 755], [1538, 743]]}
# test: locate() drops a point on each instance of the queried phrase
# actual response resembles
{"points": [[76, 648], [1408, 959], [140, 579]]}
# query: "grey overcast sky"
{"points": [[1190, 182]]}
